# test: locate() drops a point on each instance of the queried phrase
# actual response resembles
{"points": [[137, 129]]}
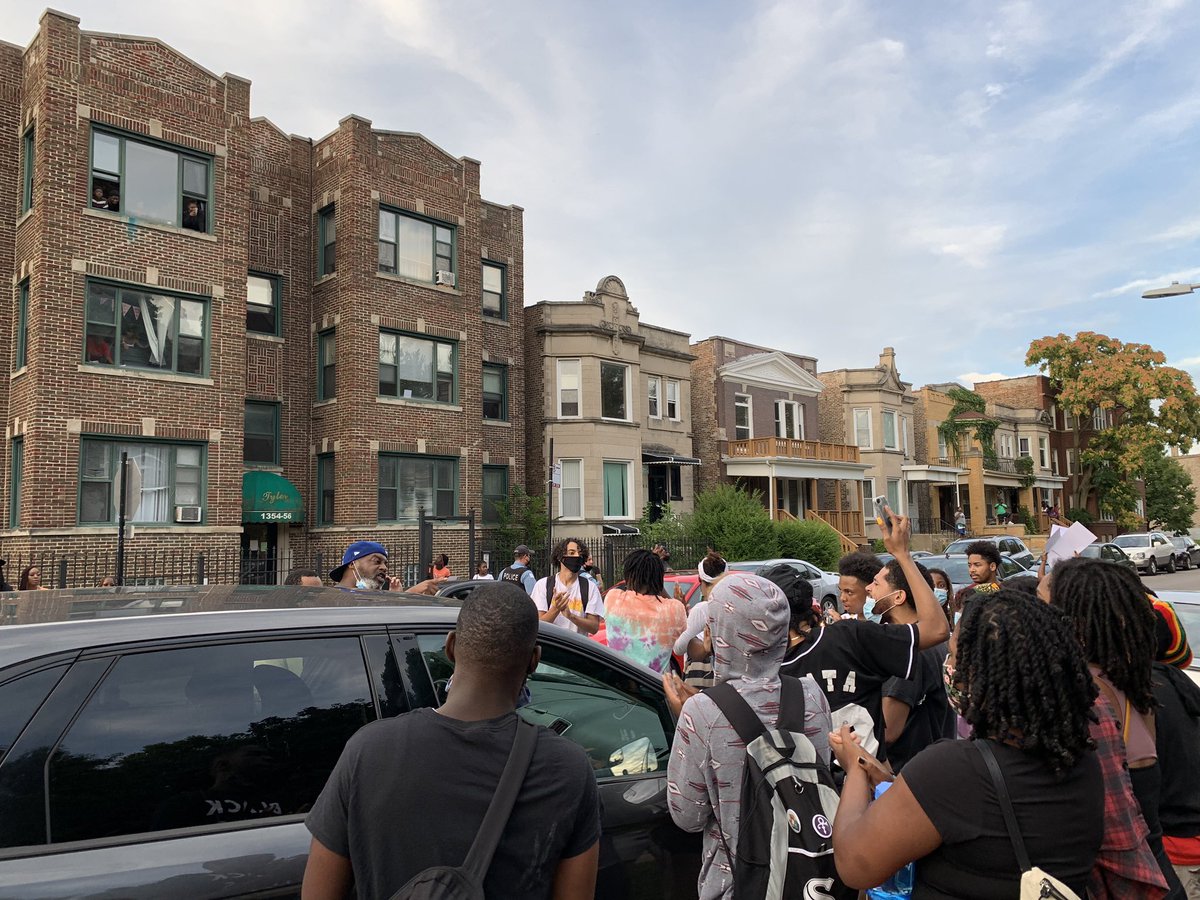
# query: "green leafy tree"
{"points": [[1170, 495], [520, 519], [670, 528], [734, 521], [1156, 404], [811, 541]]}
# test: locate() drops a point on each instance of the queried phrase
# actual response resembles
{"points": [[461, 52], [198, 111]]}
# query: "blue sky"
{"points": [[828, 178]]}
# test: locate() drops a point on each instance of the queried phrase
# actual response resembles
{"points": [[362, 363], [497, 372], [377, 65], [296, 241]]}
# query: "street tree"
{"points": [[1170, 496], [1154, 405]]}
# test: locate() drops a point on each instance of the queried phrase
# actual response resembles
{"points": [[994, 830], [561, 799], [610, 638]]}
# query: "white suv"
{"points": [[1149, 550]]}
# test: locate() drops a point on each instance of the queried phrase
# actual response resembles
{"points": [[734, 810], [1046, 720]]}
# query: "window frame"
{"points": [[115, 462], [397, 213], [627, 465], [654, 396], [276, 433], [678, 415], [628, 405], [432, 459], [181, 152], [21, 357], [276, 293], [749, 407], [560, 365], [943, 446], [486, 497], [1043, 452], [899, 495], [28, 158], [890, 414], [866, 417], [563, 487], [326, 216], [1070, 462], [868, 499], [116, 324], [435, 341], [326, 485], [502, 370], [1025, 452], [326, 371], [502, 315], [16, 473], [781, 419]]}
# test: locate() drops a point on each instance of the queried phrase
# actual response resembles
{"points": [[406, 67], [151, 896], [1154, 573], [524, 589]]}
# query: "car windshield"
{"points": [[960, 546], [1091, 551], [1180, 542], [1189, 616], [1132, 540]]}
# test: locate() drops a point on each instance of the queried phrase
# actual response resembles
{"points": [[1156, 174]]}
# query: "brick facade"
{"points": [[266, 189]]}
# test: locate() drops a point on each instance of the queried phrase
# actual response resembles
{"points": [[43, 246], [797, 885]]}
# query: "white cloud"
{"points": [[1137, 285], [980, 377]]}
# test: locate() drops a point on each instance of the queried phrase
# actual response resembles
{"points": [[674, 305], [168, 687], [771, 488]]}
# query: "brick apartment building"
{"points": [[301, 342]]}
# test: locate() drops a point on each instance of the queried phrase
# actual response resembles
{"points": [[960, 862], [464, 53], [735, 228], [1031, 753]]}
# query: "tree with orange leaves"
{"points": [[1155, 405]]}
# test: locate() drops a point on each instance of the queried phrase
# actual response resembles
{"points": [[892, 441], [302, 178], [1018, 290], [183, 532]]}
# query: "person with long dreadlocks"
{"points": [[1116, 626], [1022, 683], [641, 621]]}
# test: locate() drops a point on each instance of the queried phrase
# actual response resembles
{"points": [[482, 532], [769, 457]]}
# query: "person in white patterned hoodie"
{"points": [[748, 618]]}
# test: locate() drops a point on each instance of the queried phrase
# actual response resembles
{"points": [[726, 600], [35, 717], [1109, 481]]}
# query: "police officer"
{"points": [[519, 572]]}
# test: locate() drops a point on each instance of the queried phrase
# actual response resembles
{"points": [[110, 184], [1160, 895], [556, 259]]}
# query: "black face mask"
{"points": [[572, 563]]}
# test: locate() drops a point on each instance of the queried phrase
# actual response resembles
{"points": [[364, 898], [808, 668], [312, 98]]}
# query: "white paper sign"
{"points": [[1064, 543]]}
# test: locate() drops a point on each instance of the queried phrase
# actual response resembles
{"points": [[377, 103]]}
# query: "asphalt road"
{"points": [[1180, 581]]}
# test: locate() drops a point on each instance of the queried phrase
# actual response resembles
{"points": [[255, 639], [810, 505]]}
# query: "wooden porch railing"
{"points": [[833, 519], [756, 448]]}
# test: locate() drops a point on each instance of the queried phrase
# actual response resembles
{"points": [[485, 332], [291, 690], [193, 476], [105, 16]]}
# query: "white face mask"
{"points": [[941, 594], [362, 584]]}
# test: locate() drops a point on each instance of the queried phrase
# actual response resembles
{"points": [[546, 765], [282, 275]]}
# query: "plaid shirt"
{"points": [[1125, 867]]}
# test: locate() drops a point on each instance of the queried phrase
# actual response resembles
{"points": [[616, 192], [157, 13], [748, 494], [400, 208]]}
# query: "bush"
{"points": [[1078, 514], [734, 522], [813, 542], [669, 529]]}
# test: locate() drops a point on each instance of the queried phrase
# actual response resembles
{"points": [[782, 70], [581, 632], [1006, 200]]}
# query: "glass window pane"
{"points": [[612, 391], [94, 504], [195, 177], [445, 358], [187, 456], [96, 460], [147, 322], [414, 363], [493, 279], [151, 188], [387, 227], [260, 291], [106, 152], [614, 489], [101, 303], [387, 257], [416, 249], [493, 381]]}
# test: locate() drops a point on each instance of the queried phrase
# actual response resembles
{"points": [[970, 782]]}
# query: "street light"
{"points": [[1174, 289]]}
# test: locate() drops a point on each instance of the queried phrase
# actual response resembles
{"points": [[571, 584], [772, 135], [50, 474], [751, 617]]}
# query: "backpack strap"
{"points": [[1010, 817], [791, 705], [483, 848], [745, 720]]}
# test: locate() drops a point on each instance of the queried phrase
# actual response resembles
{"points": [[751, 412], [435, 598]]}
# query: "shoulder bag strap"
{"points": [[479, 859], [791, 705], [741, 715], [1010, 817]]}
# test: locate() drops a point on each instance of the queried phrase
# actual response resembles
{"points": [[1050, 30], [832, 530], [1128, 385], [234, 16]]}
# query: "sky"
{"points": [[826, 178]]}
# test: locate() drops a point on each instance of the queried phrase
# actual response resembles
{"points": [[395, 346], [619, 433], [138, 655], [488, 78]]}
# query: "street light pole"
{"points": [[1174, 289]]}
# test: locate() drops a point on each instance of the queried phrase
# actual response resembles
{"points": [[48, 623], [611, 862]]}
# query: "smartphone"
{"points": [[881, 517]]}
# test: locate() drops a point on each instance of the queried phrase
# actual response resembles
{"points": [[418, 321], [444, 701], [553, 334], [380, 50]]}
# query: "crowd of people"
{"points": [[1036, 731]]}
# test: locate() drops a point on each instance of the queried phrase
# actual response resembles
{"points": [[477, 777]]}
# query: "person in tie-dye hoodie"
{"points": [[748, 617], [640, 621]]}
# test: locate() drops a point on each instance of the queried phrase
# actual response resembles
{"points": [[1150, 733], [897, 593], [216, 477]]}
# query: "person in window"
{"points": [[193, 215], [135, 350], [640, 621], [114, 202], [99, 200], [99, 349]]}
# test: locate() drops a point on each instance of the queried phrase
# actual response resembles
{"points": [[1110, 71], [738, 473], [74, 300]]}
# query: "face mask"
{"points": [[957, 618], [941, 594], [572, 563], [869, 608], [362, 584], [953, 694]]}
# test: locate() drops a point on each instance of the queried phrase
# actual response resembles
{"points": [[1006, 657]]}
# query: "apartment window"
{"points": [[653, 396], [570, 493], [495, 492], [568, 388], [326, 365], [27, 150], [863, 438], [1098, 419], [408, 484], [151, 182], [495, 392], [14, 482], [172, 477], [22, 341], [889, 431], [789, 423], [262, 304], [675, 483], [673, 400], [1070, 462], [943, 449], [1006, 445], [415, 248], [327, 241], [904, 434], [614, 391], [616, 490], [1054, 462], [495, 298], [416, 368], [868, 487], [893, 496], [137, 329], [325, 487], [742, 428], [1023, 447], [1043, 452], [260, 439]]}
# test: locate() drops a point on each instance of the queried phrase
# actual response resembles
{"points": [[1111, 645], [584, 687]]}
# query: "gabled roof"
{"points": [[771, 370]]}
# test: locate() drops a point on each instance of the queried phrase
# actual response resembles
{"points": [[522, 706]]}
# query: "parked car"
{"points": [[1149, 550], [824, 584], [1187, 551], [1013, 546], [1109, 553], [1187, 607], [955, 565], [133, 714]]}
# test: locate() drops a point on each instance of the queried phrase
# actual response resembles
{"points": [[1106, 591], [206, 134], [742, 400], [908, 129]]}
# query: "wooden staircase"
{"points": [[848, 545]]}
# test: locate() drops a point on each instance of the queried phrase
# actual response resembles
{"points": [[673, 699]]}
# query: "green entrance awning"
{"points": [[269, 497]]}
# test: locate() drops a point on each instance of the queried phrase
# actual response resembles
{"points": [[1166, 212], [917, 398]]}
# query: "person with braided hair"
{"points": [[1116, 626], [1021, 682]]}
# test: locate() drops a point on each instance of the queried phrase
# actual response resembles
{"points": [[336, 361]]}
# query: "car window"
{"points": [[622, 724], [206, 735], [1008, 568], [19, 700], [1131, 540]]}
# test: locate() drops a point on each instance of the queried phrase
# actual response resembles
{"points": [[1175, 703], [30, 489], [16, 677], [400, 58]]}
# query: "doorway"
{"points": [[657, 491], [260, 553]]}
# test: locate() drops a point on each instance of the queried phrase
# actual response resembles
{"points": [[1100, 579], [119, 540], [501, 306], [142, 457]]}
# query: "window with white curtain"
{"points": [[172, 475]]}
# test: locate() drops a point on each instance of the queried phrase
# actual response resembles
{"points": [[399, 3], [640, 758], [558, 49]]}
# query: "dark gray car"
{"points": [[145, 754]]}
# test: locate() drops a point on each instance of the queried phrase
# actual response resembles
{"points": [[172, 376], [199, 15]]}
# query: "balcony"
{"points": [[789, 448], [1001, 465]]}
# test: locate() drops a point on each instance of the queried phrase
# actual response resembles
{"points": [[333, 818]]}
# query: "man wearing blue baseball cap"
{"points": [[364, 568]]}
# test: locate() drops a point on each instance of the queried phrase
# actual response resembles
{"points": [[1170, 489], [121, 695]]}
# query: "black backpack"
{"points": [[787, 794], [465, 882]]}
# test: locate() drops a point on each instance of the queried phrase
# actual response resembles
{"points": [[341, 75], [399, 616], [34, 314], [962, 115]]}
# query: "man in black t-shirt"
{"points": [[410, 793], [852, 659]]}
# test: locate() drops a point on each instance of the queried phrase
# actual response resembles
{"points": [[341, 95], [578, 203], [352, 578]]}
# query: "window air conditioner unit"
{"points": [[444, 278], [187, 513]]}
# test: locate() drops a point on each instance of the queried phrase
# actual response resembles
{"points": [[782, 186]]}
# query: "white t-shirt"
{"points": [[487, 577], [595, 605]]}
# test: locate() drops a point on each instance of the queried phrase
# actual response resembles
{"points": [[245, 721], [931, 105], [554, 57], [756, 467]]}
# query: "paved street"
{"points": [[1180, 581]]}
